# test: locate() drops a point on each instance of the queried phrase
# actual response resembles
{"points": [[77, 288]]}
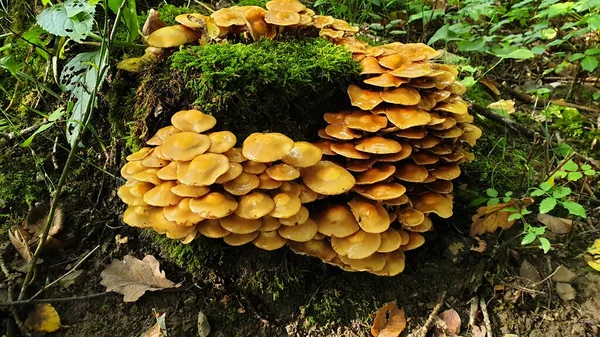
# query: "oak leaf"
{"points": [[43, 318], [490, 218], [390, 321], [555, 224], [132, 277]]}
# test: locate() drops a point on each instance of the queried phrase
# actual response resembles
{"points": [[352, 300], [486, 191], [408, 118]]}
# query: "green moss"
{"points": [[168, 12], [268, 85], [478, 94], [20, 182], [260, 3]]}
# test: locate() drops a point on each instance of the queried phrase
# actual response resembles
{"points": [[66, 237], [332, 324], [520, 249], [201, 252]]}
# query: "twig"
{"points": [[27, 130], [423, 330], [55, 300], [473, 312], [486, 317], [501, 119], [65, 274], [566, 160]]}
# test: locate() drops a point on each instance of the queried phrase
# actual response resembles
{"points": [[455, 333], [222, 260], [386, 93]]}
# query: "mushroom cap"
{"points": [[283, 172], [214, 205], [365, 121], [253, 167], [370, 66], [139, 216], [336, 220], [161, 134], [440, 186], [327, 178], [420, 51], [363, 99], [242, 185], [286, 5], [413, 70], [124, 193], [395, 157], [161, 195], [320, 249], [380, 191], [401, 200], [410, 217], [411, 172], [331, 33], [235, 155], [424, 158], [181, 213], [402, 95], [303, 154], [371, 216], [406, 117], [385, 80], [193, 20], [431, 202], [417, 132], [269, 240], [240, 239], [172, 230], [282, 17], [184, 146], [238, 225], [335, 117], [423, 227], [153, 161], [233, 172], [453, 132], [286, 205], [140, 154], [471, 134], [131, 168], [342, 132], [149, 176], [446, 172], [168, 172], [267, 147], [322, 21], [211, 228], [193, 121], [378, 145], [187, 191], [360, 165], [297, 219], [371, 263], [138, 188], [221, 142], [203, 170], [358, 245], [290, 187], [299, 233], [307, 195], [266, 183], [325, 147], [426, 142], [394, 264], [227, 17], [348, 150], [254, 205], [269, 223], [172, 36], [394, 61], [256, 24], [343, 26], [375, 174], [415, 241], [390, 241]]}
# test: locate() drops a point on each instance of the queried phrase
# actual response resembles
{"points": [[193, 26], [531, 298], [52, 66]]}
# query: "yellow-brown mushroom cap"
{"points": [[371, 216], [322, 21], [426, 142], [395, 157], [254, 205], [162, 196], [282, 17], [193, 121], [342, 132], [267, 147], [286, 205], [168, 172], [415, 241], [299, 233], [239, 225], [266, 183], [385, 80], [139, 216], [227, 17], [393, 61], [161, 134], [138, 188], [358, 245], [446, 172], [380, 191], [343, 26], [240, 239], [394, 264], [152, 160], [172, 36], [124, 193], [211, 228], [320, 249], [235, 155], [214, 205], [243, 184], [327, 178], [423, 227], [253, 167], [203, 170], [331, 33], [405, 117], [371, 263], [375, 174], [348, 150], [269, 240], [303, 154], [416, 132], [297, 219], [363, 99], [286, 5], [269, 223], [181, 213], [336, 220], [378, 145], [187, 191], [370, 66], [148, 175], [139, 155], [233, 172], [390, 241], [411, 172], [431, 202], [402, 95], [283, 172], [410, 217], [184, 146], [221, 142], [131, 168], [365, 121], [424, 158], [413, 70]]}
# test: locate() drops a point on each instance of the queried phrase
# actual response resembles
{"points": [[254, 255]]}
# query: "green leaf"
{"points": [[538, 50], [561, 192], [444, 34], [520, 54], [508, 194], [589, 63], [546, 186], [477, 201], [514, 217], [547, 205], [585, 167], [544, 244], [41, 129], [493, 201], [491, 192], [592, 51], [56, 114], [589, 172], [548, 33], [576, 56], [529, 238], [506, 199], [478, 45], [468, 81], [574, 176], [72, 18], [537, 192], [574, 208]]}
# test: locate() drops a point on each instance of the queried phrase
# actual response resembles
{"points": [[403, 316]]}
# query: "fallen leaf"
{"points": [[72, 278], [153, 22], [36, 221], [18, 238], [478, 331], [390, 321], [503, 107], [555, 224], [490, 218], [159, 329], [448, 324], [529, 273], [592, 256], [43, 318], [203, 325], [480, 246], [132, 277], [490, 85], [565, 291], [154, 331]]}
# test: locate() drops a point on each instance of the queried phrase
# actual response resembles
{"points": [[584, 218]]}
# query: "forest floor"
{"points": [[502, 286]]}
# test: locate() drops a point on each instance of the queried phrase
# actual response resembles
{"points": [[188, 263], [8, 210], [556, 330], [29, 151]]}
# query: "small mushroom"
{"points": [[406, 117], [238, 225], [378, 145], [203, 170], [282, 18], [297, 219], [358, 245], [303, 154], [184, 146], [267, 147], [172, 36], [431, 202], [363, 99], [254, 205], [211, 228], [162, 196], [371, 216], [390, 241], [299, 233], [286, 205], [214, 205], [336, 220], [269, 240], [240, 239], [221, 142], [327, 178], [283, 172], [320, 249], [402, 95], [243, 184], [181, 213]]}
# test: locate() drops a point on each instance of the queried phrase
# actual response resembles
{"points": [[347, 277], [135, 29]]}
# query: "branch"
{"points": [[503, 120]]}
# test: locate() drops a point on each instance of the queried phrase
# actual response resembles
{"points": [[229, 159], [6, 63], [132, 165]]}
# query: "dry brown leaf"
{"points": [[36, 221], [481, 245], [490, 85], [159, 329], [132, 277], [390, 321], [489, 219], [43, 318], [555, 224], [478, 331], [503, 106], [18, 238], [529, 273], [447, 324], [153, 22]]}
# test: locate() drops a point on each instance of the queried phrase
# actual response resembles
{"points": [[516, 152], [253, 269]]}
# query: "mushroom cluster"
{"points": [[390, 161]]}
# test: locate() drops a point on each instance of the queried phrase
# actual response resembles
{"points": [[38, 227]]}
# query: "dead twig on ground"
{"points": [[423, 330], [22, 133], [486, 317], [473, 312], [481, 110]]}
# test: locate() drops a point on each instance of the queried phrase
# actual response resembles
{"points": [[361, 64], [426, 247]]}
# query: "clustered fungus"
{"points": [[390, 161]]}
